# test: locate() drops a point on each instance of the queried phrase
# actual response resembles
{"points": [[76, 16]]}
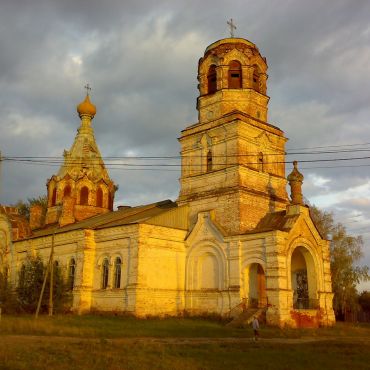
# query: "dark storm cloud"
{"points": [[141, 59]]}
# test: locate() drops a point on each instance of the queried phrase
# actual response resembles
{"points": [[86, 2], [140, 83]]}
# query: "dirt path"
{"points": [[175, 340]]}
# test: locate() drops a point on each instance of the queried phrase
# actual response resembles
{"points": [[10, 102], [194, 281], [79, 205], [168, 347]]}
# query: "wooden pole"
{"points": [[51, 278], [45, 278]]}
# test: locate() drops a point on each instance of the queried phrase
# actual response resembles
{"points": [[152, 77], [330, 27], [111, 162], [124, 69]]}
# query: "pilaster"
{"points": [[85, 273]]}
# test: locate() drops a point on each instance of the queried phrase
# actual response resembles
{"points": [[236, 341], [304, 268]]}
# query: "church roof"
{"points": [[19, 224], [231, 116], [125, 216], [282, 221], [276, 221], [230, 40]]}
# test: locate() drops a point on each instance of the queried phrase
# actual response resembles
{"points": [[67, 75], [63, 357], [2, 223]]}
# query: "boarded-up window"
{"points": [[212, 79], [235, 75], [84, 196]]}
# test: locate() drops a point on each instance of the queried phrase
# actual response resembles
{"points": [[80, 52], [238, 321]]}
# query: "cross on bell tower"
{"points": [[232, 27]]}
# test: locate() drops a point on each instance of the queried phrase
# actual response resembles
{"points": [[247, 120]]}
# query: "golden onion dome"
{"points": [[86, 108]]}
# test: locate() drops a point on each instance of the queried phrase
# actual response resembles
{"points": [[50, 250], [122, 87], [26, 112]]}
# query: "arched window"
{"points": [[105, 274], [212, 79], [209, 161], [54, 197], [71, 273], [235, 75], [67, 191], [84, 196], [260, 162], [22, 276], [99, 198], [117, 273], [256, 79]]}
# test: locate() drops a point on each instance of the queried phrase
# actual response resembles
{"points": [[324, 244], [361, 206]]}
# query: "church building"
{"points": [[232, 241]]}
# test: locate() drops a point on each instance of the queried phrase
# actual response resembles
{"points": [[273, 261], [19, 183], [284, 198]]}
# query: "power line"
{"points": [[158, 166], [98, 162], [253, 154], [332, 146], [288, 152]]}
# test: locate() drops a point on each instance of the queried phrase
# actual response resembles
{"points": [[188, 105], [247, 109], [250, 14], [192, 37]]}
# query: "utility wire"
{"points": [[288, 152], [98, 162], [267, 154]]}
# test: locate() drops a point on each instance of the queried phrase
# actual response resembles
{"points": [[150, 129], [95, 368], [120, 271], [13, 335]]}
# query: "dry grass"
{"points": [[105, 342]]}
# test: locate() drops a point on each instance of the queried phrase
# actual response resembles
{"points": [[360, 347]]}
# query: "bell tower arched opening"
{"points": [[212, 79], [256, 78], [303, 279], [235, 75]]}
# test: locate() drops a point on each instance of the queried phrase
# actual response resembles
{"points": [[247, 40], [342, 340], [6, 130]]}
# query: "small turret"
{"points": [[295, 180]]}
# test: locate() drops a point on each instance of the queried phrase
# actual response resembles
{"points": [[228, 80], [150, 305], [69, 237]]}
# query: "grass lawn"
{"points": [[107, 342]]}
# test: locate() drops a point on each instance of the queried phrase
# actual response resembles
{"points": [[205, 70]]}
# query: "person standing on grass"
{"points": [[256, 326]]}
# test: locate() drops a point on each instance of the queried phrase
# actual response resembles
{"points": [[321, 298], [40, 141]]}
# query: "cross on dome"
{"points": [[88, 88]]}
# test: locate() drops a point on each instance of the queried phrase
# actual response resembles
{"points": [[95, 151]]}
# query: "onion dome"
{"points": [[295, 175], [86, 108]]}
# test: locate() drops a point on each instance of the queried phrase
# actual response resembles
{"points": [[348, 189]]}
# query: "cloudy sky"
{"points": [[140, 57]]}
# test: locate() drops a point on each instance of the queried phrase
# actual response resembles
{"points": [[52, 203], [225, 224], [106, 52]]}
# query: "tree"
{"points": [[345, 253], [30, 281], [31, 277], [24, 207]]}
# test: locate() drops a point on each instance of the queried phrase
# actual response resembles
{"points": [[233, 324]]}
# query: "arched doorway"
{"points": [[255, 285], [303, 279]]}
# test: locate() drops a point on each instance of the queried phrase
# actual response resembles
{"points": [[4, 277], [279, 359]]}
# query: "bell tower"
{"points": [[232, 76], [233, 159], [82, 188]]}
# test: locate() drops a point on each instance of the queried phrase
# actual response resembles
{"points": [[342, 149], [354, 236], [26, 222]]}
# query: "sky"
{"points": [[141, 57]]}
